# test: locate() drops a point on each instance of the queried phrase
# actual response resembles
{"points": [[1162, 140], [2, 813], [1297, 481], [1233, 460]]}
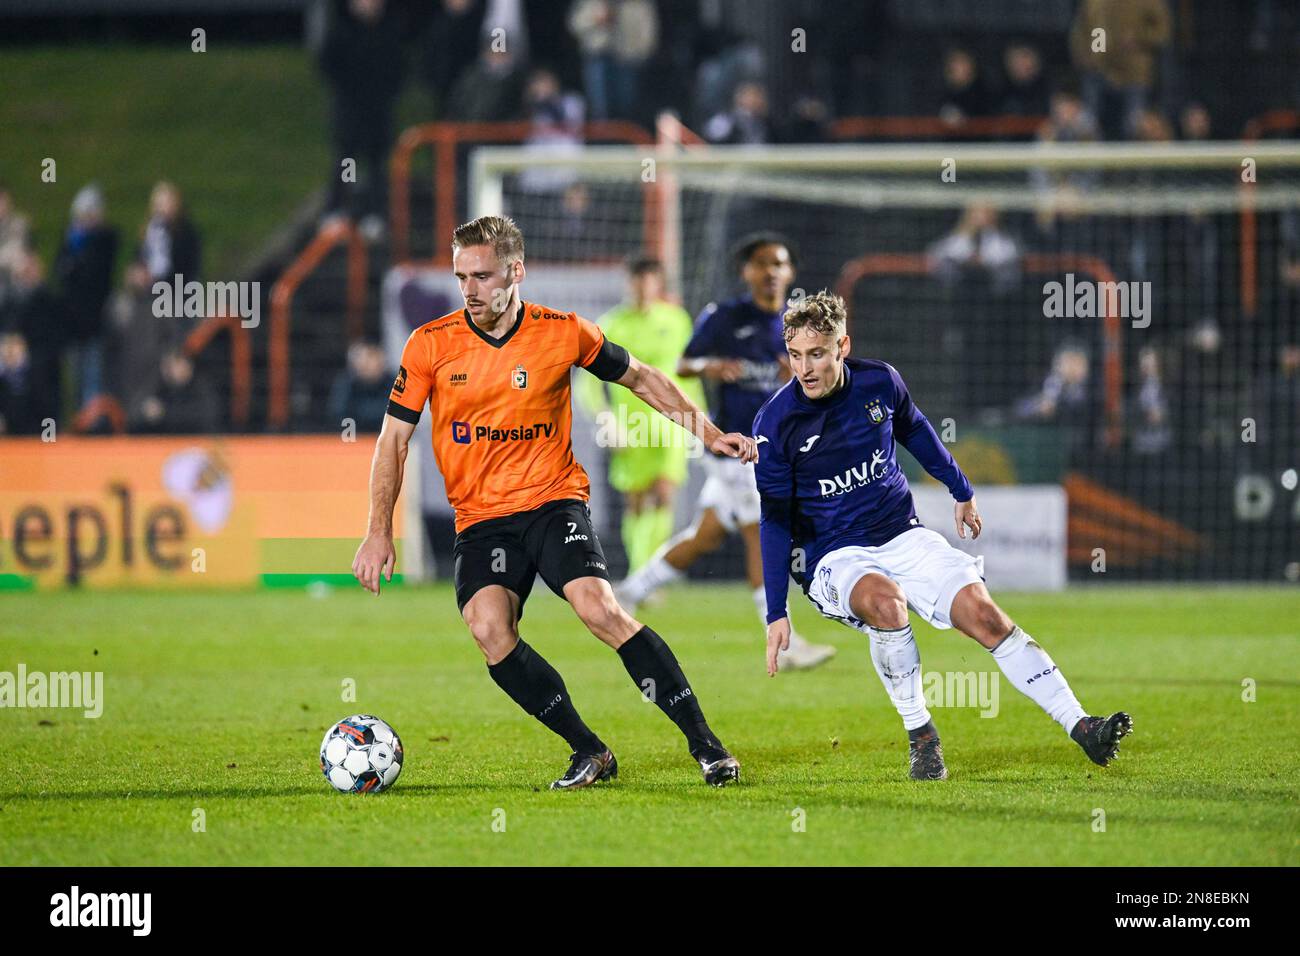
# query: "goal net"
{"points": [[1114, 324]]}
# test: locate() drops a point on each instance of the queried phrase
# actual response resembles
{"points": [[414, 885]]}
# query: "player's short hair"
{"points": [[823, 312], [639, 265], [745, 248], [499, 232]]}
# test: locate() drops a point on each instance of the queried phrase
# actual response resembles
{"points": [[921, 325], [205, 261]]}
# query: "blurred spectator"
{"points": [[84, 273], [19, 389], [1068, 119], [453, 29], [1205, 414], [616, 37], [362, 60], [137, 338], [170, 246], [1151, 432], [32, 312], [490, 90], [360, 391], [976, 244], [809, 122], [1150, 126], [556, 120], [964, 91], [181, 402], [1025, 91], [1194, 123], [1118, 77], [746, 121], [15, 240], [1061, 194], [724, 60], [1065, 395]]}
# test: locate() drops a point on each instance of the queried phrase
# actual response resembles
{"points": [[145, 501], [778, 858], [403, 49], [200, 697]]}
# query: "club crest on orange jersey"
{"points": [[519, 377]]}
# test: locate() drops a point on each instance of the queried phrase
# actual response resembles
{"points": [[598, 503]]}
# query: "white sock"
{"points": [[898, 662], [649, 578], [760, 604], [1032, 672]]}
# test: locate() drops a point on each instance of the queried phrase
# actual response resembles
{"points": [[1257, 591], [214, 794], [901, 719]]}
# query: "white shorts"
{"points": [[928, 569], [731, 490]]}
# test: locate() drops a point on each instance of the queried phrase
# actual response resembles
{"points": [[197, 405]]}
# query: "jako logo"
{"points": [[103, 909], [676, 697]]}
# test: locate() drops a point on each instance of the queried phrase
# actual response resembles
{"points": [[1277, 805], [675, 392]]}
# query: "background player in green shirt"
{"points": [[647, 462]]}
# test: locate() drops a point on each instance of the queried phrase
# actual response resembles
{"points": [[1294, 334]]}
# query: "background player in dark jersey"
{"points": [[836, 504], [495, 377], [738, 350]]}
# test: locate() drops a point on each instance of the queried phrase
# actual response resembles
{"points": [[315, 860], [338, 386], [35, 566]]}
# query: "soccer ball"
{"points": [[361, 754]]}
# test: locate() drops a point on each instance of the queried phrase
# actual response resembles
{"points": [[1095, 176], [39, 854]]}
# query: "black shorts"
{"points": [[556, 541]]}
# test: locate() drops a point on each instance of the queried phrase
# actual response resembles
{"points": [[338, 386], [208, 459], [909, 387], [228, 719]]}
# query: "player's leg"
{"points": [[631, 473], [671, 560], [663, 496], [493, 578], [1031, 670], [801, 655], [881, 603], [571, 562]]}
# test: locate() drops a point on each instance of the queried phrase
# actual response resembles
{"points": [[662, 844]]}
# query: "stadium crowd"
{"points": [[67, 335]]}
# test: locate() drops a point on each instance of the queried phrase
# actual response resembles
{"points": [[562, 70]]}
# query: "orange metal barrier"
{"points": [[914, 264], [101, 406], [241, 360], [325, 241], [913, 127], [444, 138]]}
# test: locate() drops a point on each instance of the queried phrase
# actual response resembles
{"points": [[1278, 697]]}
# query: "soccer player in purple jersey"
{"points": [[837, 513]]}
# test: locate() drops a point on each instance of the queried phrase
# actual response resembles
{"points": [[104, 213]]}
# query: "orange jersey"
{"points": [[502, 421]]}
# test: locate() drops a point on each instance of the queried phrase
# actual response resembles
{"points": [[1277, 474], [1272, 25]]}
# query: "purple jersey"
{"points": [[739, 329], [828, 471]]}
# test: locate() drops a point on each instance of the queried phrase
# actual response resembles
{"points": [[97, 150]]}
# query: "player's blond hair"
{"points": [[499, 232], [823, 312]]}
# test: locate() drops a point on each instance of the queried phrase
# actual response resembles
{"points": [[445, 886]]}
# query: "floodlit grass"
{"points": [[218, 702]]}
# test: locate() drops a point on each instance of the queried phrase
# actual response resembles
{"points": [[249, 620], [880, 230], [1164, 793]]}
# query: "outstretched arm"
{"points": [[662, 394], [377, 556]]}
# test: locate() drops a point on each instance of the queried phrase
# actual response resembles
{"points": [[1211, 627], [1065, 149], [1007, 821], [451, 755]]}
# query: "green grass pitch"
{"points": [[218, 701]]}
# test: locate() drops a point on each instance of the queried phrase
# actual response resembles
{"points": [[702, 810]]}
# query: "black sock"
{"points": [[648, 658], [537, 687]]}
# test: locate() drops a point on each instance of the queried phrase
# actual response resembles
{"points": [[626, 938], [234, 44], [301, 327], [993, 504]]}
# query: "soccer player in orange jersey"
{"points": [[496, 379]]}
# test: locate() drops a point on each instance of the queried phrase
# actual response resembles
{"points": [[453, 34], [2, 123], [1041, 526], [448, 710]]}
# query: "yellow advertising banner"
{"points": [[187, 512]]}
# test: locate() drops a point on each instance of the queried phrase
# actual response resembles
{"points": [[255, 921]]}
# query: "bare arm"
{"points": [[662, 394], [376, 556]]}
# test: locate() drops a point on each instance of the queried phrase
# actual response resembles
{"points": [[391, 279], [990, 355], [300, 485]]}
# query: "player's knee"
{"points": [[991, 623], [709, 538], [882, 604], [601, 613], [494, 635]]}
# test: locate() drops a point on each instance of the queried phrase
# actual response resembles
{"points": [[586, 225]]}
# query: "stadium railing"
{"points": [[330, 236]]}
